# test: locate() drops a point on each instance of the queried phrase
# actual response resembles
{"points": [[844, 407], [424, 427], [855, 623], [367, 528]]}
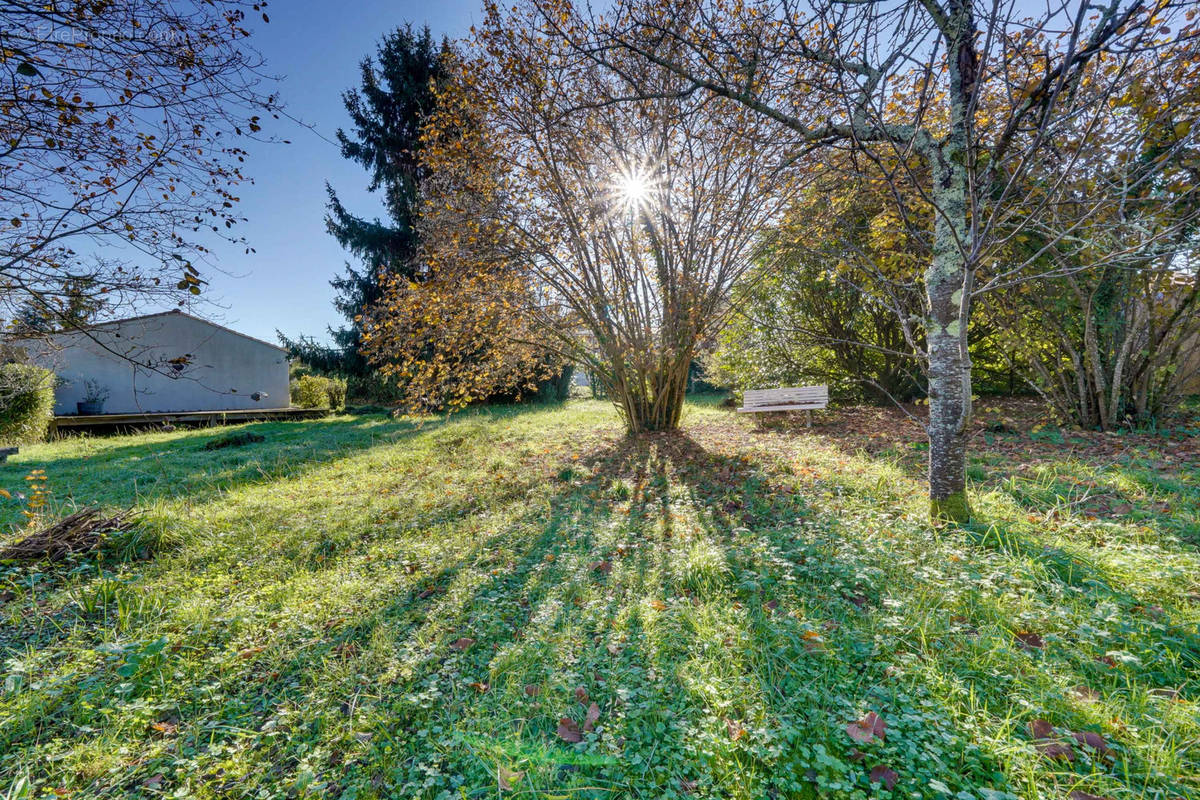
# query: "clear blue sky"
{"points": [[315, 46]]}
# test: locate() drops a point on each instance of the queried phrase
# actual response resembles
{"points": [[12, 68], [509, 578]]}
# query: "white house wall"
{"points": [[214, 369]]}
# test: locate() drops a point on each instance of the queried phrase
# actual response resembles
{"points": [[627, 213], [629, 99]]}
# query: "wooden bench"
{"points": [[794, 398]]}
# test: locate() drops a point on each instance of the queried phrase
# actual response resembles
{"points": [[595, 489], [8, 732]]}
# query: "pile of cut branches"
{"points": [[82, 531]]}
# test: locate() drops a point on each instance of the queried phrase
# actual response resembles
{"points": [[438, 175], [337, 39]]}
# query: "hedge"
{"points": [[26, 403]]}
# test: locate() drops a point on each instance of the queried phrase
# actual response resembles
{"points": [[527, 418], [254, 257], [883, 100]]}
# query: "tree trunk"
{"points": [[948, 287], [654, 401], [949, 375]]}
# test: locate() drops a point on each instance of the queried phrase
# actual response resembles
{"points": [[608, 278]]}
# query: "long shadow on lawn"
{"points": [[144, 471], [732, 673], [803, 658], [121, 475], [526, 603], [777, 723], [256, 688]]}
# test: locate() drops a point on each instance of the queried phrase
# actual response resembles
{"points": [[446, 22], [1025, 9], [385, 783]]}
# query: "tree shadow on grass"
{"points": [[713, 613], [721, 689], [128, 470], [523, 586]]}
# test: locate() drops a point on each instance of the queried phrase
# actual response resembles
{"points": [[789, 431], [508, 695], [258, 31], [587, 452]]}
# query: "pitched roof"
{"points": [[172, 312]]}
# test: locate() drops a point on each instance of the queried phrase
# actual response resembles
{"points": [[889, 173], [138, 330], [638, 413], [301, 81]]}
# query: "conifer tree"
{"points": [[387, 113]]}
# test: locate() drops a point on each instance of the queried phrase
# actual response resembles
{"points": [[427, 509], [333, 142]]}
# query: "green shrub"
{"points": [[26, 403], [374, 389], [317, 391], [335, 391], [309, 392]]}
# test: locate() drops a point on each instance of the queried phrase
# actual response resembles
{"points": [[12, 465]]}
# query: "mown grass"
{"points": [[360, 607]]}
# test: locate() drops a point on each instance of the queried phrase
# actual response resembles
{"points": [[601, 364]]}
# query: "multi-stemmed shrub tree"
{"points": [[611, 229]]}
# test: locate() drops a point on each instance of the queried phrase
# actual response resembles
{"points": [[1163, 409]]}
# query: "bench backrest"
{"points": [[790, 396]]}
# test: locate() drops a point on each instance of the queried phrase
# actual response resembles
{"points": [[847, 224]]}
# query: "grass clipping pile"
{"points": [[82, 531]]}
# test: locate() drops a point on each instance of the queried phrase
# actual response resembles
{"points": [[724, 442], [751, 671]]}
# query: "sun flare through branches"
{"points": [[632, 188]]}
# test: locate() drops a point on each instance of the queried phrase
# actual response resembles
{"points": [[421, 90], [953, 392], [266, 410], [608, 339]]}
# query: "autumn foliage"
{"points": [[455, 329]]}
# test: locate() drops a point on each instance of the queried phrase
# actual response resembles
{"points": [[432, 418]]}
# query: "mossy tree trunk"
{"points": [[948, 287]]}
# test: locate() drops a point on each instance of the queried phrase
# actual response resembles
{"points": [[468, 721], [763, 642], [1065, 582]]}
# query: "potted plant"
{"points": [[94, 395]]}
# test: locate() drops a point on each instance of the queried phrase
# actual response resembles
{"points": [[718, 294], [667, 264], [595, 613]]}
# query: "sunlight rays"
{"points": [[634, 188]]}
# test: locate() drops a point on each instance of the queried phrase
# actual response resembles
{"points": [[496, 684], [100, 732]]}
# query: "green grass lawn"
{"points": [[523, 602]]}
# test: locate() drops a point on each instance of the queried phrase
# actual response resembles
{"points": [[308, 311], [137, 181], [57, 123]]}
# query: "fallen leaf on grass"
{"points": [[735, 730], [507, 777], [568, 731], [604, 567], [1086, 693], [867, 729], [1040, 729], [885, 775], [592, 717], [581, 694], [1093, 740], [462, 644], [532, 690], [479, 686], [1030, 641], [1056, 751], [687, 787]]}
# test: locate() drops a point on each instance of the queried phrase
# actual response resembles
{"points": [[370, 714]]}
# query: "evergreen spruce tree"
{"points": [[386, 114], [76, 304]]}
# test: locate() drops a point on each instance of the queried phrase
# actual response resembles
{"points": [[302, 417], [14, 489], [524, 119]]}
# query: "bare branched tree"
{"points": [[119, 148]]}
